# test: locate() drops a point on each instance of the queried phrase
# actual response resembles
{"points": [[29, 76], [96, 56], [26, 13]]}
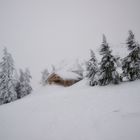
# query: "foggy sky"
{"points": [[41, 32]]}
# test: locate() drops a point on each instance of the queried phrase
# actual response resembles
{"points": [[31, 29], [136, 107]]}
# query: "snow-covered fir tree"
{"points": [[107, 73], [131, 63], [7, 81], [92, 69], [45, 75], [130, 41], [23, 87], [77, 68]]}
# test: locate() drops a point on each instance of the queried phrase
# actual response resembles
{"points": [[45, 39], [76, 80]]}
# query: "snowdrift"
{"points": [[74, 113]]}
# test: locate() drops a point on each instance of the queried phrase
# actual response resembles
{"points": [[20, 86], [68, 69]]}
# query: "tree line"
{"points": [[105, 72], [13, 86]]}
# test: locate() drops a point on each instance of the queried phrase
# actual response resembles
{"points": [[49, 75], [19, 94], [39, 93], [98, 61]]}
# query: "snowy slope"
{"points": [[79, 112]]}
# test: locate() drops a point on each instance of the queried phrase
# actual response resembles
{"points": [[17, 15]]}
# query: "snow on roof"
{"points": [[68, 75]]}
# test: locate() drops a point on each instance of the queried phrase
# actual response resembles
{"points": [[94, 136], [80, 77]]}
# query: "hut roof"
{"points": [[68, 75]]}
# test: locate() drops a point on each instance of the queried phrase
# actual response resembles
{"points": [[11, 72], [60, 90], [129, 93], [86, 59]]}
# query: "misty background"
{"points": [[39, 33]]}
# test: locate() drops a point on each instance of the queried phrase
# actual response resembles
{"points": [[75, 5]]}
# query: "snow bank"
{"points": [[74, 113]]}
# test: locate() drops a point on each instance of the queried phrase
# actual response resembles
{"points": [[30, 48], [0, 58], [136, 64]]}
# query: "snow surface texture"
{"points": [[79, 112]]}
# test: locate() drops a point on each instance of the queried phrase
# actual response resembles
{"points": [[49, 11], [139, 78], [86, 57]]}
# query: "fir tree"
{"points": [[77, 68], [131, 63], [107, 73], [7, 83], [23, 87], [45, 75], [130, 41], [92, 69]]}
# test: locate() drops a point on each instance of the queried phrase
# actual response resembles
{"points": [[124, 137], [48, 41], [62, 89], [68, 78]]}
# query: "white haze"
{"points": [[42, 32]]}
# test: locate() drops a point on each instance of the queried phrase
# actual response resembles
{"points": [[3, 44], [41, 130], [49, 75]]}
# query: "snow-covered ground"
{"points": [[79, 112]]}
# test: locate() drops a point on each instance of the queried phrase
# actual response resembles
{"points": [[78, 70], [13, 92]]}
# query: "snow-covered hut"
{"points": [[64, 78]]}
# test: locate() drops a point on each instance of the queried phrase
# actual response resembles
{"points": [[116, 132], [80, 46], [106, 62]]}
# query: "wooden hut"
{"points": [[64, 78]]}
